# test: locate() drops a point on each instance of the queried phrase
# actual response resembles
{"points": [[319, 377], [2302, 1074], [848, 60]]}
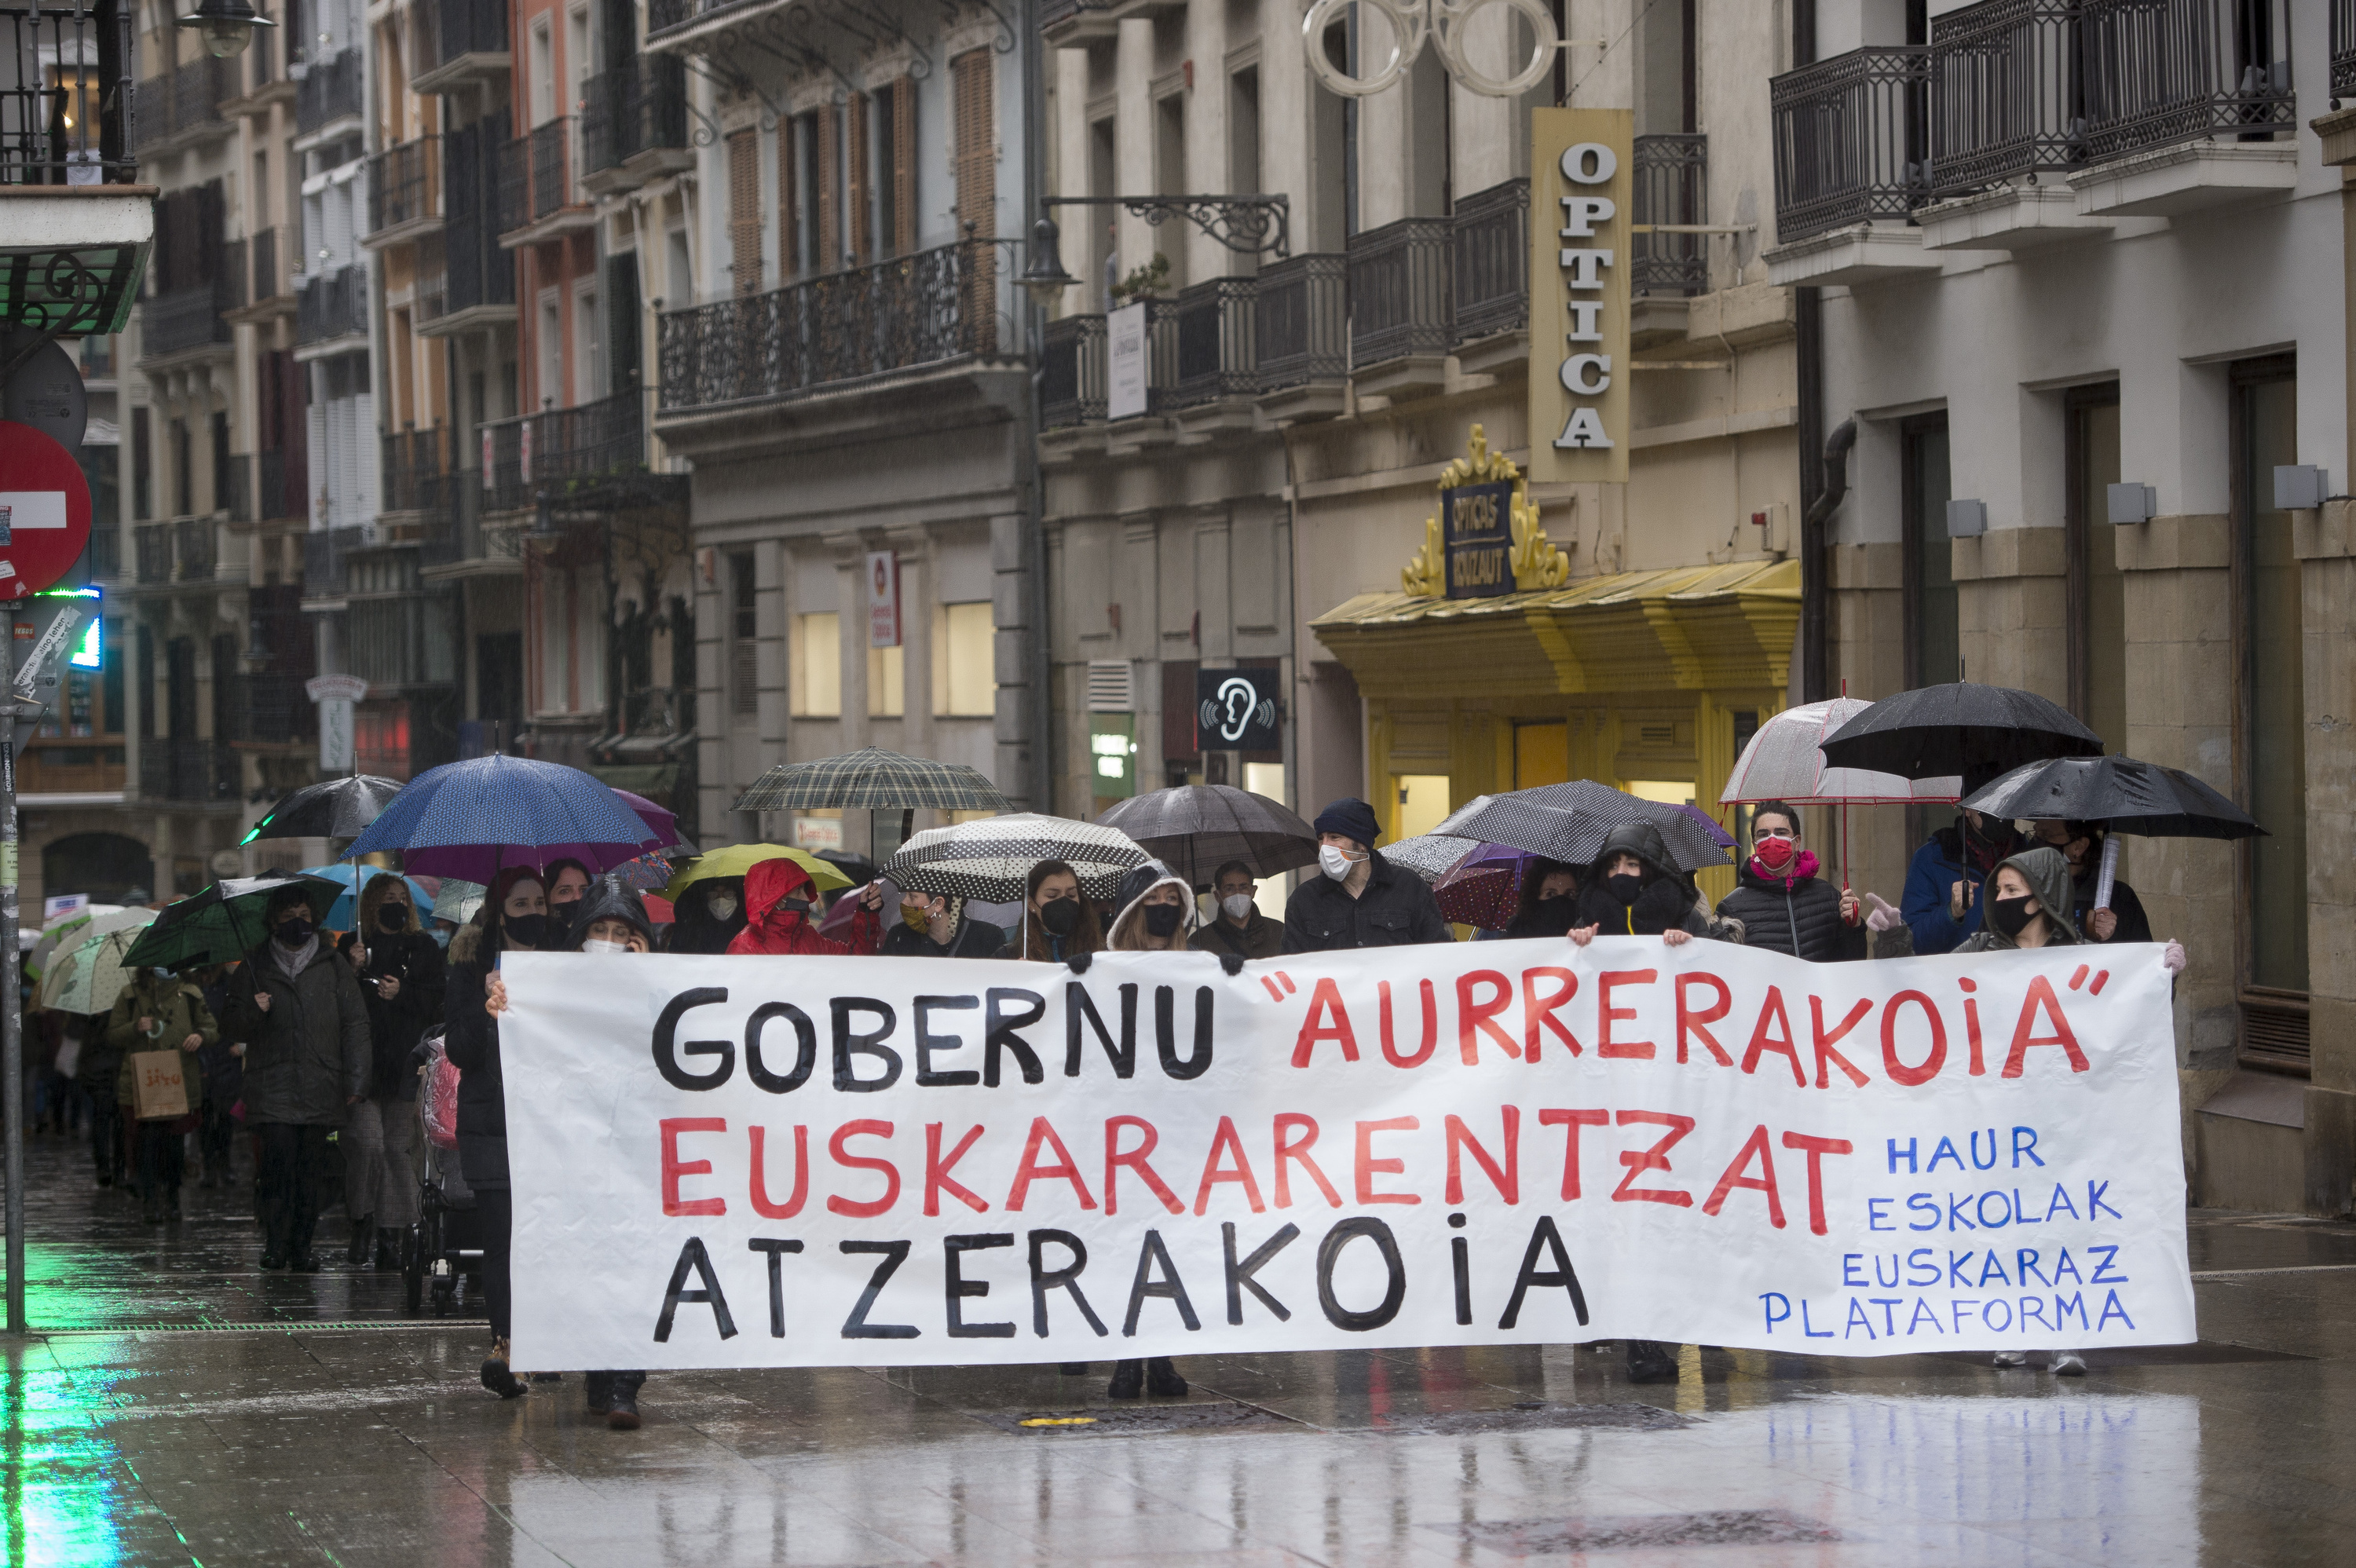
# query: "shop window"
{"points": [[1541, 754], [1667, 792], [2273, 783], [818, 666], [2098, 619], [886, 683], [965, 681], [1422, 802], [381, 739]]}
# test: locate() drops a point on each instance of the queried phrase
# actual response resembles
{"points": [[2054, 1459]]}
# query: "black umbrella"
{"points": [[334, 808], [1692, 841], [2123, 795], [222, 924], [1961, 728], [1196, 828]]}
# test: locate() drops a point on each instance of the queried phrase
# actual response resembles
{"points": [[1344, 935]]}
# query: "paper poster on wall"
{"points": [[1125, 360]]}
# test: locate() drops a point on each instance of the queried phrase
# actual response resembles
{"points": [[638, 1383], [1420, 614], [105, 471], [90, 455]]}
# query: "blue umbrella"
{"points": [[346, 911], [474, 818]]}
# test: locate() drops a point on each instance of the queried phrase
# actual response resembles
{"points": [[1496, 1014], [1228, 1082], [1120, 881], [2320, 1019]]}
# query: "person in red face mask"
{"points": [[781, 914], [1783, 904]]}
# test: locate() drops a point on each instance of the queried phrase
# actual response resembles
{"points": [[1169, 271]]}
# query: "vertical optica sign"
{"points": [[1581, 211]]}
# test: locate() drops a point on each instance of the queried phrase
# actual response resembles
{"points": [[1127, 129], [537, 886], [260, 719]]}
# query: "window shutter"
{"points": [[790, 239], [744, 208], [862, 228], [904, 165], [829, 190], [977, 192]]}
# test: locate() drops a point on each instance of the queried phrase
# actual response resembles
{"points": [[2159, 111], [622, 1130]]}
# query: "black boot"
{"points": [[1651, 1361], [1128, 1380], [496, 1375], [1161, 1378], [599, 1389], [622, 1414], [392, 1256], [363, 1242]]}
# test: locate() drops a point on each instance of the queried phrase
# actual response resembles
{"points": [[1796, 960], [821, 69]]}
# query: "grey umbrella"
{"points": [[1195, 828], [1558, 833], [873, 779], [1430, 855]]}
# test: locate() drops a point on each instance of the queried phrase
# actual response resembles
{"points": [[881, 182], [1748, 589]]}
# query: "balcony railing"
{"points": [[405, 184], [1071, 372], [269, 282], [2343, 49], [258, 487], [1491, 232], [2157, 75], [464, 27], [536, 174], [90, 142], [187, 99], [478, 272], [1671, 186], [187, 318], [2007, 93], [418, 469], [332, 305], [324, 550], [664, 15], [549, 450], [635, 108], [179, 551], [1398, 291], [902, 314], [173, 769], [1850, 139], [106, 550], [151, 545], [1303, 321], [1217, 342], [331, 90]]}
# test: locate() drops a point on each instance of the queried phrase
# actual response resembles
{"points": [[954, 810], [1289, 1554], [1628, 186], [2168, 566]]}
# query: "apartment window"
{"points": [[221, 461], [1932, 647], [895, 161], [543, 74], [858, 148], [551, 346], [792, 183], [183, 488], [886, 683], [143, 467], [976, 143], [1103, 251], [2273, 701], [2098, 597], [744, 646], [745, 209], [818, 666], [584, 343], [1243, 130], [965, 682], [825, 189], [1170, 173]]}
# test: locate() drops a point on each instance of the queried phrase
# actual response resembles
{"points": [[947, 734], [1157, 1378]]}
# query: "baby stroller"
{"points": [[448, 1251]]}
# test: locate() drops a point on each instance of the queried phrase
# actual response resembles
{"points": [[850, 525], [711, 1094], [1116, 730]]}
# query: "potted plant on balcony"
{"points": [[1145, 282]]}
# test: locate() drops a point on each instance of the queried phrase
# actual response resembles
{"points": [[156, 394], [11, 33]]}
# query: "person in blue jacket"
{"points": [[1941, 905]]}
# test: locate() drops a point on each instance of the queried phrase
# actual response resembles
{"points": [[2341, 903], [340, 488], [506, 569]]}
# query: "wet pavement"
{"points": [[178, 1405]]}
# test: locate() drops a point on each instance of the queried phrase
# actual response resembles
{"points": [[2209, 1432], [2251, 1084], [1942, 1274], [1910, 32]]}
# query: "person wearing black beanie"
{"points": [[1360, 900]]}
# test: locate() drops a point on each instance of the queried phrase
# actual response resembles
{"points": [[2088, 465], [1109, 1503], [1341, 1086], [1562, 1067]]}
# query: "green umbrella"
{"points": [[88, 978], [223, 923]]}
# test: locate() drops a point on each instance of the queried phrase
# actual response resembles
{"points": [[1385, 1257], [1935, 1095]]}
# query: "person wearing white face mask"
{"points": [[1361, 900], [1241, 928]]}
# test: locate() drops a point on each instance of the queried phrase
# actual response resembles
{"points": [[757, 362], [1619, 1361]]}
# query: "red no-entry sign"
{"points": [[44, 510]]}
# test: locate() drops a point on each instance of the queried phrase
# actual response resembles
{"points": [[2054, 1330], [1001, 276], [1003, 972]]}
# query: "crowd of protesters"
{"points": [[319, 1036]]}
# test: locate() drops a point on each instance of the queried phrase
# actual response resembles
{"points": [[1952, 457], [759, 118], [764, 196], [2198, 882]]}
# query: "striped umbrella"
{"points": [[873, 779], [990, 858]]}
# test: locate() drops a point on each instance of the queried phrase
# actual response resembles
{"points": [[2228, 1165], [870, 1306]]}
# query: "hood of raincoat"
{"points": [[772, 927], [2047, 871], [1130, 923], [608, 899], [1642, 839]]}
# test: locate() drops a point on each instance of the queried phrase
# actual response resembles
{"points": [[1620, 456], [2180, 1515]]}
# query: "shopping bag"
{"points": [[437, 1101], [159, 1090]]}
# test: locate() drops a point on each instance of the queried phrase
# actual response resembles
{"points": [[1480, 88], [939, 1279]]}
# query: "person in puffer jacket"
{"points": [[1784, 905], [1635, 890]]}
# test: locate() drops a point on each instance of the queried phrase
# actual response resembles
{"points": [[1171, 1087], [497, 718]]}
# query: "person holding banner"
{"points": [[1784, 905], [2081, 844], [513, 918], [1362, 900], [1058, 924], [780, 898], [1638, 891]]}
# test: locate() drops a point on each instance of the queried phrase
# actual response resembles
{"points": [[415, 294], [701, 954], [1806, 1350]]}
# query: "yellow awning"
{"points": [[1693, 628]]}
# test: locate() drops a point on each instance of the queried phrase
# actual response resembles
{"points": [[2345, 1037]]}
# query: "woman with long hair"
{"points": [[402, 976], [1058, 924]]}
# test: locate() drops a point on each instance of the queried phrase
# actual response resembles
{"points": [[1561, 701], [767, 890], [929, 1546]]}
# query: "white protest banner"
{"points": [[735, 1161]]}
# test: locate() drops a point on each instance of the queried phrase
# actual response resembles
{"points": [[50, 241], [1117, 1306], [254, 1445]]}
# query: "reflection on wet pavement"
{"points": [[300, 1419]]}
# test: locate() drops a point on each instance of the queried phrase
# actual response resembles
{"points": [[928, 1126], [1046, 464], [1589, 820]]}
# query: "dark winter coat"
{"points": [[1667, 899], [1547, 917], [1395, 909], [307, 1057], [1800, 919], [395, 1028], [2134, 925], [2048, 875], [180, 1008], [972, 939], [471, 1040], [1260, 938], [1945, 860]]}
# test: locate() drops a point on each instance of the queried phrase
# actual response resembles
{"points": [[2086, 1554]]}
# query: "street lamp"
{"points": [[1044, 277], [226, 26]]}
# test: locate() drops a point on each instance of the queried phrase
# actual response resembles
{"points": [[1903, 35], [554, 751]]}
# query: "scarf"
{"points": [[294, 963], [1798, 869]]}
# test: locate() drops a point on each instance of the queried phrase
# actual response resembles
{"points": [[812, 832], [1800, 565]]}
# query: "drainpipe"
{"points": [[1816, 683], [1035, 182]]}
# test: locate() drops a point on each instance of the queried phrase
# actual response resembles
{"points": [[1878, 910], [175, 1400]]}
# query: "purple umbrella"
{"points": [[475, 818], [661, 818]]}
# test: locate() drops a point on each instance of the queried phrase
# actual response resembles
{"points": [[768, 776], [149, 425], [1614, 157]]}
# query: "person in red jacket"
{"points": [[781, 913]]}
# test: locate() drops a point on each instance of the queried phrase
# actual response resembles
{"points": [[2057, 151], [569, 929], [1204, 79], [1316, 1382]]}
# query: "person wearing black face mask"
{"points": [[1058, 924], [1944, 885], [401, 974], [298, 1008], [1549, 901], [568, 882], [1636, 889]]}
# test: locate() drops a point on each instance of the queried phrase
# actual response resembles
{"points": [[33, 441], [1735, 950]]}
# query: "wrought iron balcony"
{"points": [[2343, 49], [179, 552], [186, 101], [664, 15], [478, 272], [419, 469], [106, 550], [1400, 305], [1671, 186], [259, 489], [1071, 372], [1217, 342], [2007, 93], [462, 28], [188, 318], [191, 771], [1490, 231], [331, 90], [536, 176], [2157, 75], [549, 451], [405, 184], [1303, 322], [332, 305], [637, 107], [151, 545], [324, 550], [817, 335], [69, 123], [1851, 137]]}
